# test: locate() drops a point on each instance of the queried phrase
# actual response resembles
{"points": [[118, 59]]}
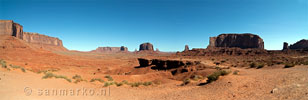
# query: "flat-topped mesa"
{"points": [[146, 47], [243, 41], [302, 44], [36, 38], [8, 27], [110, 49]]}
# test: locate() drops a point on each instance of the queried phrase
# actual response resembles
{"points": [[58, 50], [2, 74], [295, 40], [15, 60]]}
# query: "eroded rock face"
{"points": [[36, 38], [8, 27], [146, 47], [302, 44], [243, 41], [110, 49]]}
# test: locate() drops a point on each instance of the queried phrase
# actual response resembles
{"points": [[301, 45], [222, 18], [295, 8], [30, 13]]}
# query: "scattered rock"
{"points": [[275, 90]]}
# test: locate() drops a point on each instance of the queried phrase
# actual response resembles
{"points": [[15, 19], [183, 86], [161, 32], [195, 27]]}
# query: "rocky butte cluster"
{"points": [[110, 49], [146, 47], [8, 27], [299, 45]]}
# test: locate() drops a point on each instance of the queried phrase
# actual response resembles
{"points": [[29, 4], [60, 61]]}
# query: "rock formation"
{"points": [[110, 49], [242, 41], [186, 48], [302, 44], [285, 46], [8, 27], [36, 38], [160, 64], [123, 48], [146, 47]]}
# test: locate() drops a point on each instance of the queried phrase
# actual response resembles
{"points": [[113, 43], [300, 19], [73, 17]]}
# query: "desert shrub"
{"points": [[51, 75], [236, 72], [23, 69], [157, 82], [106, 84], [253, 65], [125, 82], [289, 65], [215, 75], [109, 78], [136, 84], [305, 63], [217, 68], [186, 81], [18, 67], [48, 70], [197, 77], [118, 84], [3, 63], [48, 75], [225, 72], [260, 66], [223, 61], [78, 78], [97, 79], [147, 83]]}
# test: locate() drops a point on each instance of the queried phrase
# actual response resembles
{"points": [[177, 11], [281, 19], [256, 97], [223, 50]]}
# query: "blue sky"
{"points": [[168, 24]]}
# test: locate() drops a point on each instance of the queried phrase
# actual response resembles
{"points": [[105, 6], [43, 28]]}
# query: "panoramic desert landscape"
{"points": [[234, 66], [153, 50]]}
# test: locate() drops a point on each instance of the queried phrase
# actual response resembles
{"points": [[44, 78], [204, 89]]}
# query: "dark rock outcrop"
{"points": [[186, 48], [161, 64], [243, 41], [146, 47], [285, 46], [110, 49], [123, 48], [302, 44]]}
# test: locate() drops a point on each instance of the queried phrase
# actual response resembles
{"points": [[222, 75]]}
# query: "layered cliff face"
{"points": [[110, 49], [8, 27], [243, 41], [36, 38]]}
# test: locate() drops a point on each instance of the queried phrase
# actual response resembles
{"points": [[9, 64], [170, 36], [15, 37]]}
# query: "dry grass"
{"points": [[51, 75]]}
